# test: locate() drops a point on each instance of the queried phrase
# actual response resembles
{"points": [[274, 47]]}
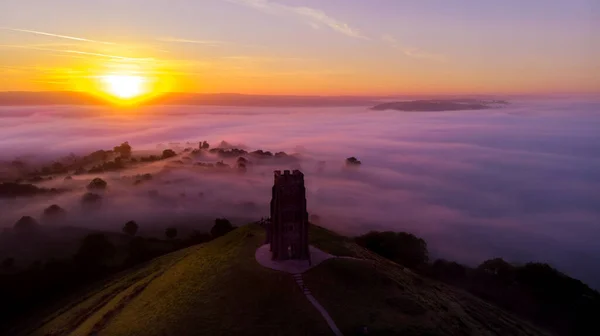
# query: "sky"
{"points": [[333, 47]]}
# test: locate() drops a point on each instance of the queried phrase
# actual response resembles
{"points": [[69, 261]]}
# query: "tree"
{"points": [[91, 198], [26, 225], [124, 150], [97, 184], [54, 213], [401, 247], [171, 232], [130, 228], [352, 161], [8, 263], [498, 267], [95, 250], [222, 227], [168, 153]]}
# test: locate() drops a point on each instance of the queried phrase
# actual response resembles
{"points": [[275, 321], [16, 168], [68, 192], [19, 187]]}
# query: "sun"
{"points": [[124, 86]]}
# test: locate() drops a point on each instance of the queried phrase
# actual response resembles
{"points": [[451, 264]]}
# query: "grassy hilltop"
{"points": [[218, 288]]}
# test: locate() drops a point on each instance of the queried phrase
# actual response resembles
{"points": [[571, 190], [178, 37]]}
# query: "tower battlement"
{"points": [[288, 177]]}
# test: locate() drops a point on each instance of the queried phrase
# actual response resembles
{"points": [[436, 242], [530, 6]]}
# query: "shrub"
{"points": [[401, 247]]}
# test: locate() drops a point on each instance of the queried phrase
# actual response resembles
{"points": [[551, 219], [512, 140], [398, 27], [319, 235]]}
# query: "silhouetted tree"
{"points": [[222, 227], [26, 225], [124, 150], [401, 247], [54, 213], [168, 153], [8, 263], [95, 250], [97, 184], [171, 232], [498, 267], [352, 161], [130, 228], [91, 198]]}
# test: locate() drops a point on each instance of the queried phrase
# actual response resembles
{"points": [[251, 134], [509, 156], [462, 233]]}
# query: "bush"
{"points": [[222, 227], [171, 232], [130, 228], [401, 247]]}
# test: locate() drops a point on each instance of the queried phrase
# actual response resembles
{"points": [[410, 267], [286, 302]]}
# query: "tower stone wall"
{"points": [[288, 229]]}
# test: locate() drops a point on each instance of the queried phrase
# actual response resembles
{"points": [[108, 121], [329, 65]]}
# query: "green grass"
{"points": [[213, 289], [393, 301], [218, 288], [330, 241]]}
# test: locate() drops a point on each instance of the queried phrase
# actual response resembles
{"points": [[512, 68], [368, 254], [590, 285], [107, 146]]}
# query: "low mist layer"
{"points": [[519, 182]]}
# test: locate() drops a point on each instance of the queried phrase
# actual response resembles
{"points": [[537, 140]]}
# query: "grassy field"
{"points": [[390, 300], [211, 289], [219, 289]]}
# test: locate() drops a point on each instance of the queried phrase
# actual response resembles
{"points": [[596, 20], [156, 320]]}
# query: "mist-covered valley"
{"points": [[521, 182]]}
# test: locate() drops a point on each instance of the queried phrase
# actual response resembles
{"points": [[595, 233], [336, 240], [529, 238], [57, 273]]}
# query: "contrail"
{"points": [[54, 35]]}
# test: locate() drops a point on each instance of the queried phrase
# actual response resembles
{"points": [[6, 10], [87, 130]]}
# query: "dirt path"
{"points": [[316, 304]]}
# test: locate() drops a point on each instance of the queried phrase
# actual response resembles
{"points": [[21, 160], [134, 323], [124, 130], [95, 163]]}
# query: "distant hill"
{"points": [[438, 105], [19, 98], [218, 288]]}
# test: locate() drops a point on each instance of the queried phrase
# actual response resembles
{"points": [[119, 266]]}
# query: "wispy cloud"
{"points": [[77, 52], [412, 51], [74, 38], [314, 17], [189, 41]]}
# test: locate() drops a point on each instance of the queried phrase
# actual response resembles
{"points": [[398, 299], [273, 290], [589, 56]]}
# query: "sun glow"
{"points": [[124, 86]]}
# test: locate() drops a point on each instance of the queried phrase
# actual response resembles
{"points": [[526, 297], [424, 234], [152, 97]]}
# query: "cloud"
{"points": [[519, 182], [314, 17], [188, 41], [55, 35], [412, 51], [76, 52]]}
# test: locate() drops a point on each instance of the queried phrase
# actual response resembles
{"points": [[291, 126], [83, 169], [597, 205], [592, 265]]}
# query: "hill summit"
{"points": [[218, 288]]}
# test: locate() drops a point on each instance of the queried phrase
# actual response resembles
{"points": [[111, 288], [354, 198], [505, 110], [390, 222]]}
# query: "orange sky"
{"points": [[274, 47]]}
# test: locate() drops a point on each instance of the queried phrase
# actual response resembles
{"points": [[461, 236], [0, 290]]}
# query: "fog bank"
{"points": [[521, 182]]}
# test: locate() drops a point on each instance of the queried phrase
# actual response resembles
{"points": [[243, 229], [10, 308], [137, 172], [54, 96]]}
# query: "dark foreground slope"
{"points": [[219, 289]]}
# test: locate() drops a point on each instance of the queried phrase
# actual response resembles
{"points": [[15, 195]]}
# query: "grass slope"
{"points": [[212, 289], [219, 289], [391, 300]]}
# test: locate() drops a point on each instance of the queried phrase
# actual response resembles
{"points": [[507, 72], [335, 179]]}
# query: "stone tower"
{"points": [[288, 230]]}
